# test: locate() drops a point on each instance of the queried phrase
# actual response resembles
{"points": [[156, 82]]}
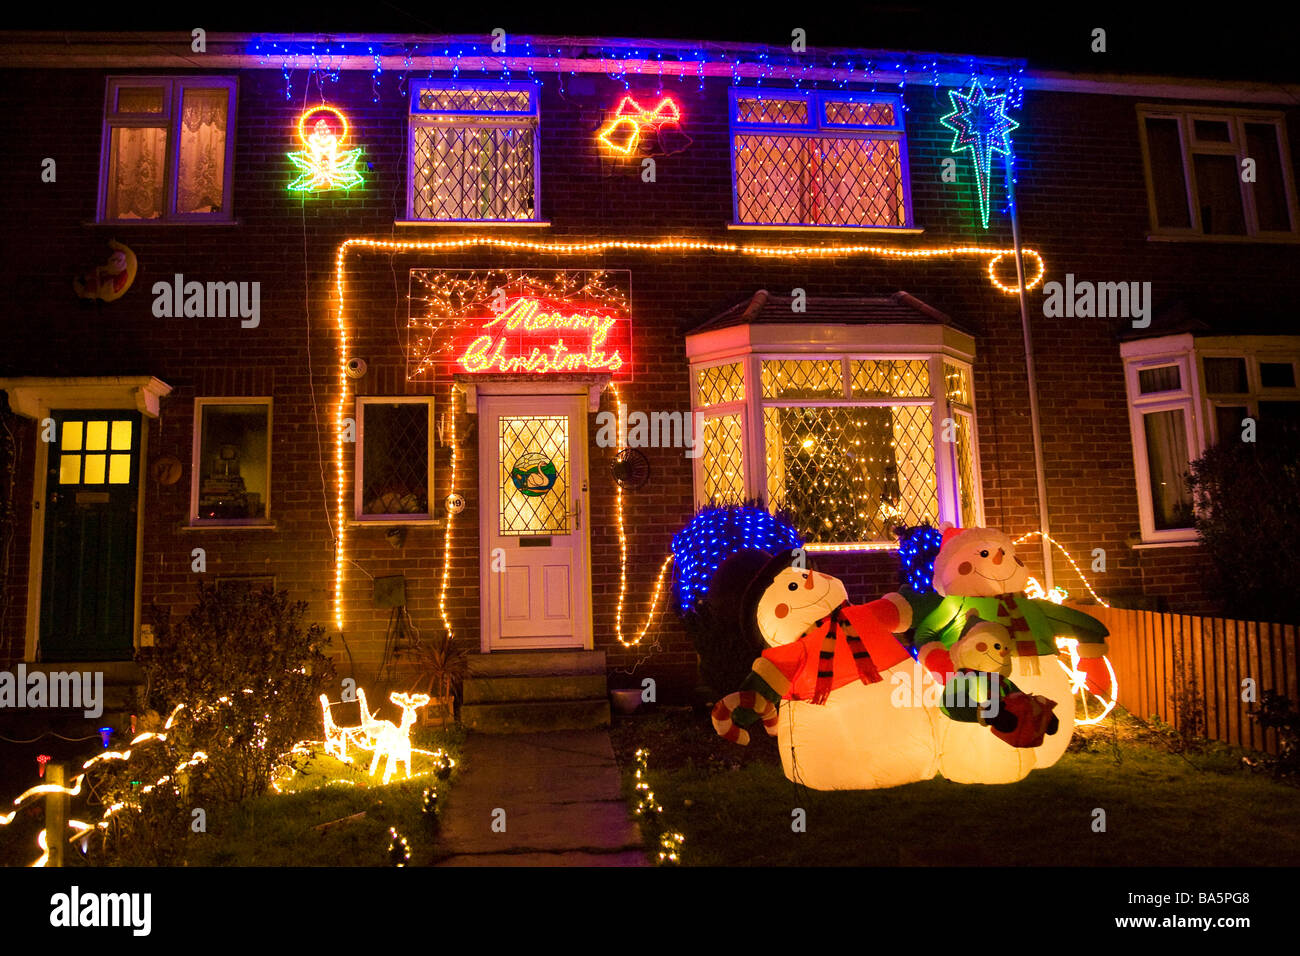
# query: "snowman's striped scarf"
{"points": [[838, 624]]}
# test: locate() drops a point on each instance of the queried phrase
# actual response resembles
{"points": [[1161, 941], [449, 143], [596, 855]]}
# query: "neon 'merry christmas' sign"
{"points": [[324, 164], [538, 335]]}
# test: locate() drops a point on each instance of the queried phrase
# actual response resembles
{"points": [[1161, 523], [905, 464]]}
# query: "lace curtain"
{"points": [[202, 151], [139, 158]]}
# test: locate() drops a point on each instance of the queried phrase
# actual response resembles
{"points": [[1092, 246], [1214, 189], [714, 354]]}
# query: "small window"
{"points": [[473, 150], [1167, 459], [1164, 378], [819, 159], [168, 149], [394, 459], [232, 463], [1276, 375], [1196, 173], [1226, 376]]}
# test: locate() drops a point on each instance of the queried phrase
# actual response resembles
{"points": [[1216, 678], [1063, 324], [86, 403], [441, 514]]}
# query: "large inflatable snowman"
{"points": [[982, 581], [824, 683]]}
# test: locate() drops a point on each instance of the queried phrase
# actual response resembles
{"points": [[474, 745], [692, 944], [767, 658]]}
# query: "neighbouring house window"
{"points": [[1187, 394], [473, 149], [851, 446], [1217, 173], [168, 149], [394, 459], [818, 159], [232, 461]]}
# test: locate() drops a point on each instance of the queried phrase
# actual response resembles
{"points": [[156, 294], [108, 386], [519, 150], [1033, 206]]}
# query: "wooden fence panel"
{"points": [[1187, 670]]}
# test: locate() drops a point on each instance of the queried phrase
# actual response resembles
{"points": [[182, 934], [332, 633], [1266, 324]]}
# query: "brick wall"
{"points": [[1083, 207]]}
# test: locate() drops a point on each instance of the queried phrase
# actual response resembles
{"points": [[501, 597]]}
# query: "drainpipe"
{"points": [[1039, 473]]}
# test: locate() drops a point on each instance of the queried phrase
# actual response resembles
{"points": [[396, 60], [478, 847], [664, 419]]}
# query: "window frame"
{"points": [[358, 481], [752, 417], [817, 128], [418, 117], [196, 452], [173, 88], [1185, 117]]}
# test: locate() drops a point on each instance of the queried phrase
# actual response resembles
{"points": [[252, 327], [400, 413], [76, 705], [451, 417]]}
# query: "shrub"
{"points": [[1248, 516], [250, 675]]}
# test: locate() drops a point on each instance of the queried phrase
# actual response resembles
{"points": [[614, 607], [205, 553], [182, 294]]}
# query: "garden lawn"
{"points": [[1167, 802], [280, 829]]}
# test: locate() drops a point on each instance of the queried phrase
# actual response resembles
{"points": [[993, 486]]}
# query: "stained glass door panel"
{"points": [[533, 468]]}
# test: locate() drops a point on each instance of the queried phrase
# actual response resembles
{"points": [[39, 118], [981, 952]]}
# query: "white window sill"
{"points": [[1233, 240], [875, 230], [395, 521], [1177, 543], [229, 526], [476, 223]]}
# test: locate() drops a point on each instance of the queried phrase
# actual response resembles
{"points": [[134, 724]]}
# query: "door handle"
{"points": [[577, 514]]}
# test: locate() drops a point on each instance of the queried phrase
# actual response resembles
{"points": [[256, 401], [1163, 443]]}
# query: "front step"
{"points": [[536, 716], [534, 691]]}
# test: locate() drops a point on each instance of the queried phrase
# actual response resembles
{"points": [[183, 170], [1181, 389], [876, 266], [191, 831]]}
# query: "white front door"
{"points": [[536, 578]]}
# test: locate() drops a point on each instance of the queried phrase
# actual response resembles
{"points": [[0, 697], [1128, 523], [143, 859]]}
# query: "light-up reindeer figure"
{"points": [[393, 741]]}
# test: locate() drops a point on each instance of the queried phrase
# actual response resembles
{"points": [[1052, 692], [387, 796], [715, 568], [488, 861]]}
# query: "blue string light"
{"points": [[917, 549], [716, 533]]}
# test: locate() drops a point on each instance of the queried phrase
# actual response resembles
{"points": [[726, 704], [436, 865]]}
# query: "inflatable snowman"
{"points": [[823, 685], [981, 580]]}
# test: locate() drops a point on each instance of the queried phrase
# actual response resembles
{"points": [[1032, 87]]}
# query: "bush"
{"points": [[1248, 516], [249, 675]]}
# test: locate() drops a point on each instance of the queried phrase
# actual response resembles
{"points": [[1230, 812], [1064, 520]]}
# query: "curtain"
{"points": [[1171, 502], [135, 189], [202, 155]]}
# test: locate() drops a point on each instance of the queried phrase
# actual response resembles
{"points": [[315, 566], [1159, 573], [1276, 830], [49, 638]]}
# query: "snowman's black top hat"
{"points": [[738, 585]]}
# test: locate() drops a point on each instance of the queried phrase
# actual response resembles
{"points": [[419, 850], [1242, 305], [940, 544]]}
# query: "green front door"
{"points": [[91, 494]]}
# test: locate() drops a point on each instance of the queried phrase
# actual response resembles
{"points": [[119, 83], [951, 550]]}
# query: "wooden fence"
{"points": [[1189, 670]]}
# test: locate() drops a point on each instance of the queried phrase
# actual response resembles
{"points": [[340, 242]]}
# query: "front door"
{"points": [[91, 503], [536, 580]]}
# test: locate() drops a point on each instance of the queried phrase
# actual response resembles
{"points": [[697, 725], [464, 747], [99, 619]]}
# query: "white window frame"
{"points": [[196, 459], [419, 117], [752, 418], [1185, 117], [358, 515], [173, 88], [1189, 355], [817, 128]]}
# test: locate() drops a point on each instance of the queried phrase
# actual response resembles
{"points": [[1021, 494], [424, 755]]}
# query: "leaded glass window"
{"points": [[473, 152], [394, 459]]}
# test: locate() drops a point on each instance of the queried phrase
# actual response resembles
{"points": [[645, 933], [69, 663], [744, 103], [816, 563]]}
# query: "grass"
{"points": [[1168, 802], [281, 829]]}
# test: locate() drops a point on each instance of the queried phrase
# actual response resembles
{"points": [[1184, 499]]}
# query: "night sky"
{"points": [[1249, 41]]}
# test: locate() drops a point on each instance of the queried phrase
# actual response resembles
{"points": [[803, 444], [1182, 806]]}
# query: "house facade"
{"points": [[442, 338]]}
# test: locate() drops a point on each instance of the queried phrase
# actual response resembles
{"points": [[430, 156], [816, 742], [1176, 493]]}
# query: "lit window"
{"points": [[473, 150], [394, 459], [167, 149], [232, 461], [851, 446], [1217, 173], [819, 159], [1186, 394]]}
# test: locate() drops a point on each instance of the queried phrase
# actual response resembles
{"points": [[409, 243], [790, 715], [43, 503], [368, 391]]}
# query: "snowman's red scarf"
{"points": [[838, 624]]}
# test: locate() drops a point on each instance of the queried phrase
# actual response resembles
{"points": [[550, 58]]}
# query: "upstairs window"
{"points": [[1218, 173], [819, 159], [167, 149], [473, 150]]}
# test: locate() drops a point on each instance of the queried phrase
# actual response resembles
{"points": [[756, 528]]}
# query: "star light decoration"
{"points": [[980, 124], [324, 164]]}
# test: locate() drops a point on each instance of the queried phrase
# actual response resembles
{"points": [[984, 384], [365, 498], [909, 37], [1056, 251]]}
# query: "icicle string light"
{"points": [[594, 247]]}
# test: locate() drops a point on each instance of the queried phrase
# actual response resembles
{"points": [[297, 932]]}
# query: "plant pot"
{"points": [[626, 700], [440, 711]]}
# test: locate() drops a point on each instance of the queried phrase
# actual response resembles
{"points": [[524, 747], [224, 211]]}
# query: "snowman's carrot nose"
{"points": [[997, 558], [808, 581]]}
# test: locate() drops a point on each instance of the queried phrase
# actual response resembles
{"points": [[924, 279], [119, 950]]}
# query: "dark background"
{"points": [[1219, 41]]}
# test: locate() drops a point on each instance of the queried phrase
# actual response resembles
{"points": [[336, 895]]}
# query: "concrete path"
{"points": [[561, 795]]}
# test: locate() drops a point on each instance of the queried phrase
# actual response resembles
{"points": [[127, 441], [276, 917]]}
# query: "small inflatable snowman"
{"points": [[982, 581], [824, 683]]}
